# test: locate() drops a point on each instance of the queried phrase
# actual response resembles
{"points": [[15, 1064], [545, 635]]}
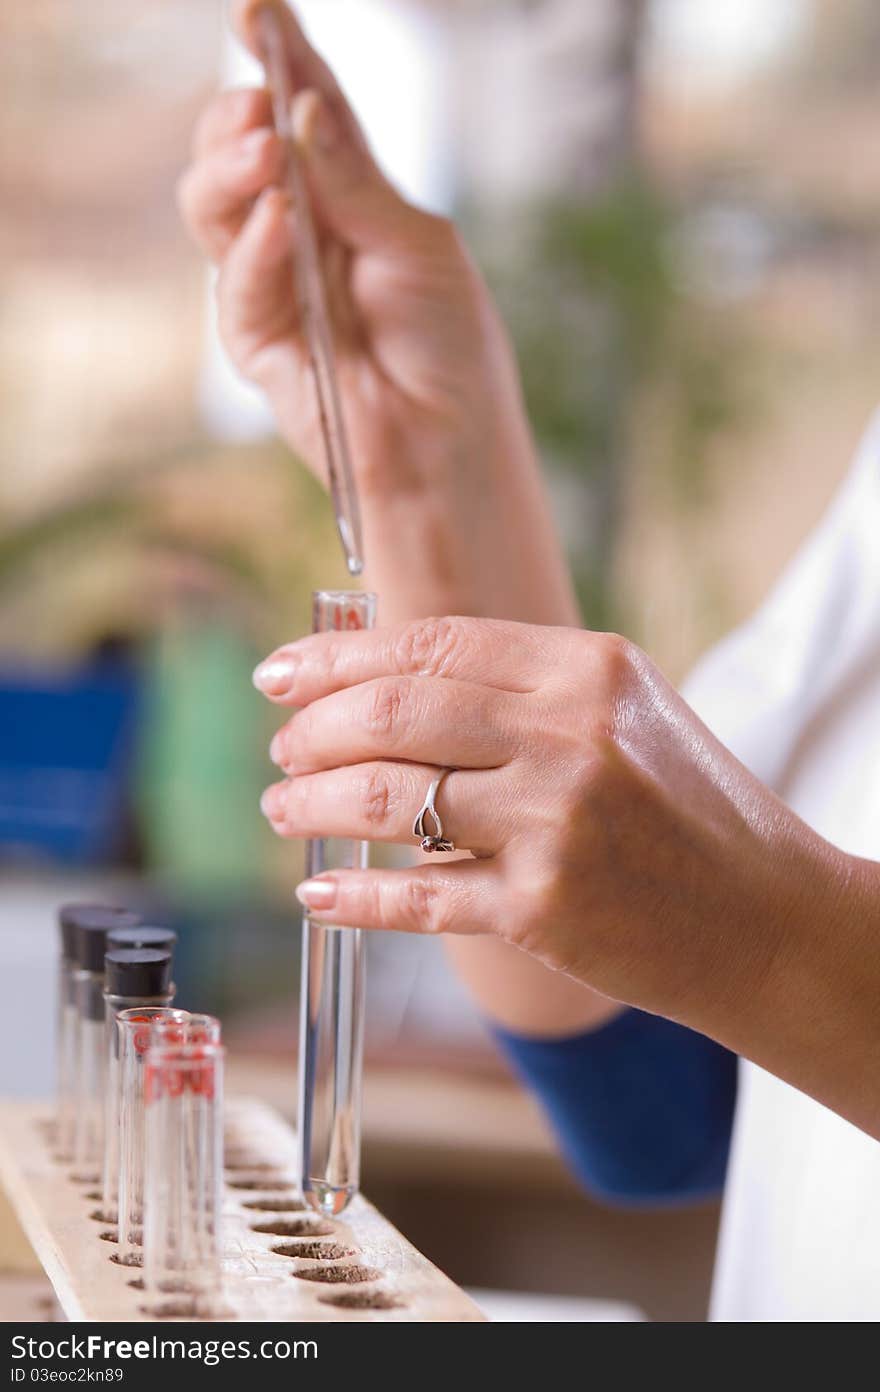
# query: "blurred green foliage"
{"points": [[603, 328]]}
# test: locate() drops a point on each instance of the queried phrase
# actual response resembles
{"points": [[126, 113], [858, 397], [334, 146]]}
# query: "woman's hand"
{"points": [[407, 307], [454, 512], [614, 838], [439, 441]]}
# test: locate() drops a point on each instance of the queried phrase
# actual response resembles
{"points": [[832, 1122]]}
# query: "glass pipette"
{"points": [[311, 296]]}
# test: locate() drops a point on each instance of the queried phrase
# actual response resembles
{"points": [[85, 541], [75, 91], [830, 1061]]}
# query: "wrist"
{"points": [[467, 532], [800, 995]]}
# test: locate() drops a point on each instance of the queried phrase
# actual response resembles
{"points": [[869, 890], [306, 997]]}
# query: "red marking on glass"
{"points": [[346, 617], [152, 1083]]}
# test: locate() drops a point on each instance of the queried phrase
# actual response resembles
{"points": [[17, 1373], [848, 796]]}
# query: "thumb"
{"points": [[354, 200]]}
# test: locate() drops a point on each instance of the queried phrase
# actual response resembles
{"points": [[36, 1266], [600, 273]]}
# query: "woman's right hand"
{"points": [[429, 385]]}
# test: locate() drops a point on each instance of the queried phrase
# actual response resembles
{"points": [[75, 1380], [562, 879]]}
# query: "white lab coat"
{"points": [[795, 693]]}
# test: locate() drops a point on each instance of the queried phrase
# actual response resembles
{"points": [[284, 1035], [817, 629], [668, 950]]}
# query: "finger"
{"points": [[379, 802], [353, 198], [419, 719], [307, 68], [255, 296], [216, 193], [456, 897], [229, 115], [510, 656]]}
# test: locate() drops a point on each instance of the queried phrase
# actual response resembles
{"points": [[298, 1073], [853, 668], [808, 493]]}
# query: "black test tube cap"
{"points": [[142, 935], [138, 973], [90, 926]]}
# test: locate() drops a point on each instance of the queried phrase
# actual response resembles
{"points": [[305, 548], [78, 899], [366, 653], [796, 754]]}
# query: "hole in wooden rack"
{"points": [[273, 1182], [317, 1251], [295, 1227], [174, 1309], [274, 1204], [338, 1275], [137, 1285], [98, 1215], [94, 1195], [198, 1309], [362, 1300], [130, 1259], [252, 1163], [111, 1235]]}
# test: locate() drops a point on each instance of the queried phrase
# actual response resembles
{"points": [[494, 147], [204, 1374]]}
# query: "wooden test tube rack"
{"points": [[357, 1267]]}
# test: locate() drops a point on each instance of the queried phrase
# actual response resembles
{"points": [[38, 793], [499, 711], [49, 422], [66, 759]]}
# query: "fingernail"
{"points": [[272, 802], [278, 748], [317, 894], [275, 676]]}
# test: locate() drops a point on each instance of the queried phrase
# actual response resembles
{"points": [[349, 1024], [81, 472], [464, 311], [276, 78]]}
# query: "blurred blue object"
{"points": [[66, 752]]}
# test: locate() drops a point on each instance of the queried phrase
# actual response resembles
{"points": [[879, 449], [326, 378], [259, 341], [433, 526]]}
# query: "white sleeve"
{"points": [[759, 688]]}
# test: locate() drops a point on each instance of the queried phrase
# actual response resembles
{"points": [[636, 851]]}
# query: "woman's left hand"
{"points": [[613, 837]]}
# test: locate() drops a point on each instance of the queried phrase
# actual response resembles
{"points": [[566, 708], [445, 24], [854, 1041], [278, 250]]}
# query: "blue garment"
{"points": [[642, 1107]]}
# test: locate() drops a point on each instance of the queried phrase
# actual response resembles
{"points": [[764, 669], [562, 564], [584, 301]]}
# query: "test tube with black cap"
{"points": [[132, 977], [92, 925], [145, 935]]}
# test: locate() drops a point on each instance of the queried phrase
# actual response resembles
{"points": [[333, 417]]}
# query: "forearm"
{"points": [[469, 532], [799, 995], [428, 554]]}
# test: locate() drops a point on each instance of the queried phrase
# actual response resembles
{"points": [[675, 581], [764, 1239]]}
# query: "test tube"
{"points": [[193, 1028], [92, 925], [332, 996], [65, 1034], [144, 935], [134, 1028], [137, 977], [182, 1237]]}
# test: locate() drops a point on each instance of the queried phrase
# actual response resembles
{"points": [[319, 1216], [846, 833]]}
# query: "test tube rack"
{"points": [[282, 1261]]}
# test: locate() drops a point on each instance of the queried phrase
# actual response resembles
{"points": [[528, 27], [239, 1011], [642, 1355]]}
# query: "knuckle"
{"points": [[423, 906], [426, 646], [544, 895], [374, 798], [244, 106], [385, 708], [227, 300], [616, 658], [228, 114]]}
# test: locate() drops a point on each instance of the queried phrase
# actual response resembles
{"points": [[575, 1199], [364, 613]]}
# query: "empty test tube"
{"points": [[92, 925], [65, 1035], [134, 1029], [332, 997], [182, 1233], [136, 977]]}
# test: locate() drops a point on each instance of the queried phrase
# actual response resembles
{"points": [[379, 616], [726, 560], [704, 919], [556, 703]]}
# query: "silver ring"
{"points": [[432, 840]]}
